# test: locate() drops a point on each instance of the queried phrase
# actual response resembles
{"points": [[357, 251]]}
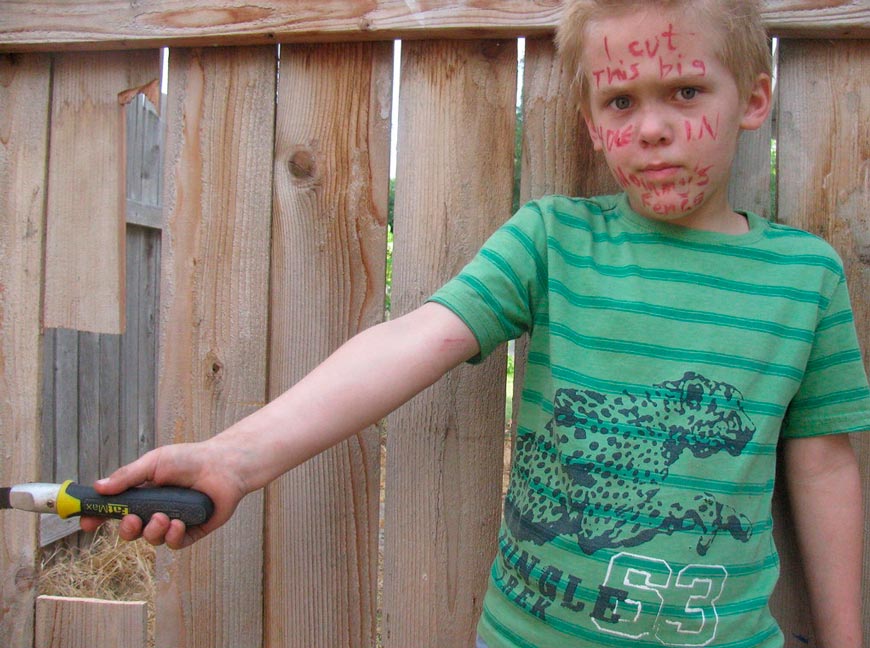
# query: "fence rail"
{"points": [[90, 24], [275, 199]]}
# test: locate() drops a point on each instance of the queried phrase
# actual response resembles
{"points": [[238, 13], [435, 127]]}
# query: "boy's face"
{"points": [[666, 113]]}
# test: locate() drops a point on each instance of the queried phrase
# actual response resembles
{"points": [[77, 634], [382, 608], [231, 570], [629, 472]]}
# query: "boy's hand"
{"points": [[195, 466]]}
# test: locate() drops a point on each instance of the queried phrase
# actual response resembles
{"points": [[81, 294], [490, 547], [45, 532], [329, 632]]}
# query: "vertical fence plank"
{"points": [[750, 186], [84, 273], [557, 156], [47, 416], [823, 182], [24, 98], [444, 449], [110, 429], [557, 152], [66, 404], [129, 351], [328, 255], [138, 344], [63, 622], [89, 407], [749, 189], [148, 299], [213, 320]]}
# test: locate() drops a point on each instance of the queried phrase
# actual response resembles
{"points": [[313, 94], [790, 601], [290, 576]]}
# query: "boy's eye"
{"points": [[687, 94], [621, 103]]}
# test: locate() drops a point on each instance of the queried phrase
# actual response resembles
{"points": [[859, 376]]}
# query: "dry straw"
{"points": [[109, 569]]}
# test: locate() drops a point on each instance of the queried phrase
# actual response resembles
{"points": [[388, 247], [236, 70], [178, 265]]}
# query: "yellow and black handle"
{"points": [[190, 506]]}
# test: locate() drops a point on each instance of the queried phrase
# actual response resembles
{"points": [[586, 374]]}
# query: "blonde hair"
{"points": [[743, 48]]}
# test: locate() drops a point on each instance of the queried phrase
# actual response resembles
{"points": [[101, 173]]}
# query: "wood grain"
{"points": [[328, 256], [24, 99], [117, 24], [749, 189], [823, 185], [84, 267], [63, 622], [557, 152], [444, 448], [213, 328]]}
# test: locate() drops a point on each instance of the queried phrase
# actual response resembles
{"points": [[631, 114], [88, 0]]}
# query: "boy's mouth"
{"points": [[660, 171]]}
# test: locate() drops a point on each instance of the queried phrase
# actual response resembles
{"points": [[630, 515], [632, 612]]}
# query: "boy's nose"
{"points": [[654, 128]]}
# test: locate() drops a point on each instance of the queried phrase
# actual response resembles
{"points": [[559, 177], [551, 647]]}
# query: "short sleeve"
{"points": [[497, 294], [834, 396]]}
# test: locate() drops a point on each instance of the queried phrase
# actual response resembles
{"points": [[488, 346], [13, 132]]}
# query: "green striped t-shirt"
{"points": [[664, 365]]}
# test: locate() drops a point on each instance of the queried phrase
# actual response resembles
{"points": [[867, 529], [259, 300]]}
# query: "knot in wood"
{"points": [[302, 165], [214, 368], [492, 49]]}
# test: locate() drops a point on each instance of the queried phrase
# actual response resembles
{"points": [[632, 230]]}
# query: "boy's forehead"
{"points": [[653, 30], [650, 26]]}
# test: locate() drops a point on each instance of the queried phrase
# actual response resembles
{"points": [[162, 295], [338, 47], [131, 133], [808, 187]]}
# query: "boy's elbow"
{"points": [[446, 336]]}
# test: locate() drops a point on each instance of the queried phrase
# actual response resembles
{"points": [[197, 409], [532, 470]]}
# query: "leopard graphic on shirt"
{"points": [[608, 494]]}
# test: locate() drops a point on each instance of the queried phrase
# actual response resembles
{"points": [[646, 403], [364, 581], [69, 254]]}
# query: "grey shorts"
{"points": [[480, 643]]}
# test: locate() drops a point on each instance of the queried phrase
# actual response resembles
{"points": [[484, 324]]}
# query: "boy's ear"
{"points": [[758, 103]]}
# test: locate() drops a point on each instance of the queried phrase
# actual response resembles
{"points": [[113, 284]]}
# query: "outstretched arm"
{"points": [[367, 378], [825, 491]]}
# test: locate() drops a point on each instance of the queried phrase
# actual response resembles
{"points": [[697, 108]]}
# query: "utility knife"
{"points": [[68, 499]]}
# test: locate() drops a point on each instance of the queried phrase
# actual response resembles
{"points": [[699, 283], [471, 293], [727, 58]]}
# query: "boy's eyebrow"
{"points": [[601, 83]]}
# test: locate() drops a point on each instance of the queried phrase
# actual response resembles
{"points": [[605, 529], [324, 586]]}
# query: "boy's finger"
{"points": [[176, 537], [130, 527], [156, 529], [89, 524]]}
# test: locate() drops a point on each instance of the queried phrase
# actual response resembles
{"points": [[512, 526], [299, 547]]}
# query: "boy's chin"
{"points": [[670, 209]]}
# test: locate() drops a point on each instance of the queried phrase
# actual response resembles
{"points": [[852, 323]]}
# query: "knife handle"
{"points": [[190, 506]]}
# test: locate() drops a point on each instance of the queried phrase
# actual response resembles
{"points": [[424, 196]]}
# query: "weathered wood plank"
{"points": [[117, 24], [824, 186], [147, 314], [47, 416], [557, 152], [128, 392], [750, 179], [328, 257], [88, 380], [214, 320], [110, 404], [24, 96], [84, 269], [90, 623], [444, 448], [138, 345], [144, 139], [66, 404]]}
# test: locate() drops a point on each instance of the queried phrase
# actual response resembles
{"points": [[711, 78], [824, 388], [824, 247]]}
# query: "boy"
{"points": [[673, 343]]}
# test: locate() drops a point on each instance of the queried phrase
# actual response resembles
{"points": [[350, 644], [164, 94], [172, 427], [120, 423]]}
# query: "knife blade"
{"points": [[68, 499]]}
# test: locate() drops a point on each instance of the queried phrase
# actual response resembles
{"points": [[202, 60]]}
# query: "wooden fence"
{"points": [[275, 196]]}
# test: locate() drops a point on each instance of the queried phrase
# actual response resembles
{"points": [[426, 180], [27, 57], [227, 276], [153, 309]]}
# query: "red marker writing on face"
{"points": [[676, 68], [650, 46], [697, 131]]}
